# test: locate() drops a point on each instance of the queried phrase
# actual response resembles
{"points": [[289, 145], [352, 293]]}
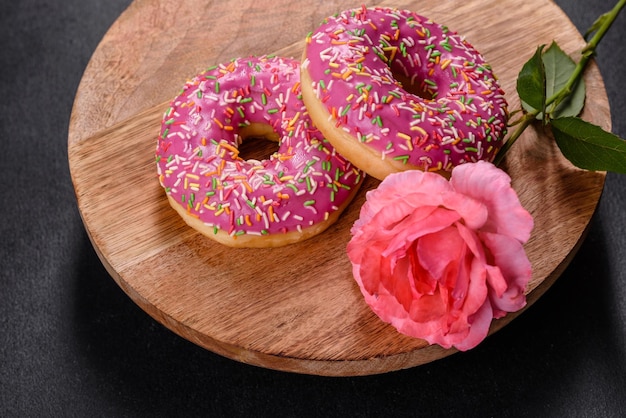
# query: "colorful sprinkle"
{"points": [[200, 166], [353, 67]]}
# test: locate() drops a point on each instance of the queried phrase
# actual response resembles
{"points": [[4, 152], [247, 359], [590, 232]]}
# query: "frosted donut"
{"points": [[393, 91], [294, 194]]}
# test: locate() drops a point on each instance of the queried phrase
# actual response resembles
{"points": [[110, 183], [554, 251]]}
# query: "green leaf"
{"points": [[559, 67], [601, 20], [531, 81], [588, 146]]}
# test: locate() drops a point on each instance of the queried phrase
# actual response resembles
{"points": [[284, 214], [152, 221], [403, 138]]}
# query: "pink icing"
{"points": [[199, 166], [354, 60]]}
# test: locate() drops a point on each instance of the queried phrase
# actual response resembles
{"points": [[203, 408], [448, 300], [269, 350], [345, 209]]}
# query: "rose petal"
{"points": [[417, 225], [439, 260], [478, 330], [428, 312], [398, 186], [474, 213], [440, 252], [477, 291], [485, 182], [477, 264], [511, 259], [496, 280], [370, 267], [401, 283]]}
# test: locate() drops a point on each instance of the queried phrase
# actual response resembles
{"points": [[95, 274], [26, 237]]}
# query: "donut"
{"points": [[294, 194], [394, 91]]}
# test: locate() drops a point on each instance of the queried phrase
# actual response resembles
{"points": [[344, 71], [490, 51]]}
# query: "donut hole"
{"points": [[258, 142], [411, 84], [413, 87]]}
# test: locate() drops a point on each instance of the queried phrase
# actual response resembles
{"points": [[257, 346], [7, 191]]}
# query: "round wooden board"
{"points": [[294, 308]]}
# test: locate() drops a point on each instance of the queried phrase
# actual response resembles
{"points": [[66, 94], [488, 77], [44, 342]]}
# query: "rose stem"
{"points": [[586, 53]]}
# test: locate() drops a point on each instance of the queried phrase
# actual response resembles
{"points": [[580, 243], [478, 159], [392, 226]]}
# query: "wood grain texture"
{"points": [[294, 308]]}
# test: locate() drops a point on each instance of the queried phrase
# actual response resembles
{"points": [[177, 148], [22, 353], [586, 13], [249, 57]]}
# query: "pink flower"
{"points": [[440, 259]]}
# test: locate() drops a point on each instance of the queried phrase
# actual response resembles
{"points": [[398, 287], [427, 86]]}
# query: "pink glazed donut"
{"points": [[294, 194], [393, 91]]}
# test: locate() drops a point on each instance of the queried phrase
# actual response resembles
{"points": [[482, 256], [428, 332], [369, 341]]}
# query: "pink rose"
{"points": [[440, 259]]}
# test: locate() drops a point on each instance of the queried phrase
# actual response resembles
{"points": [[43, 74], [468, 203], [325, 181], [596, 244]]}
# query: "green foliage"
{"points": [[557, 68], [531, 82], [552, 90], [588, 146]]}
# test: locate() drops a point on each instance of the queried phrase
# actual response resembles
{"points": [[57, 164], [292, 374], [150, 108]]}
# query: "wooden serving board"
{"points": [[295, 308]]}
